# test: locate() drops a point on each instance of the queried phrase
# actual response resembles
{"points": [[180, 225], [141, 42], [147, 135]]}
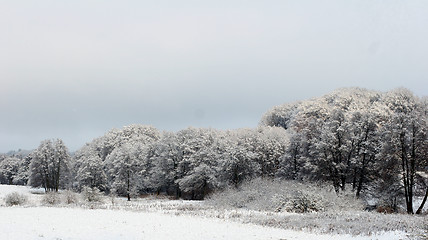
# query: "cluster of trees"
{"points": [[49, 166], [375, 143], [189, 163], [139, 159], [14, 168]]}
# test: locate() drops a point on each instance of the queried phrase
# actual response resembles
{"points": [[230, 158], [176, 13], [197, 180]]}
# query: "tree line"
{"points": [[375, 142], [372, 142]]}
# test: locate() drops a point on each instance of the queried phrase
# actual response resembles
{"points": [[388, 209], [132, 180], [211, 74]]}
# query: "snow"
{"points": [[35, 221], [72, 223], [33, 194]]}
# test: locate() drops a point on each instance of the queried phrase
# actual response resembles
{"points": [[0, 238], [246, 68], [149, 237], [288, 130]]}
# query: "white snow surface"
{"points": [[41, 222], [72, 223]]}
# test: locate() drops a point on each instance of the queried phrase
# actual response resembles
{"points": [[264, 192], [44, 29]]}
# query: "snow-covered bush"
{"points": [[304, 202], [51, 198], [91, 194], [290, 196], [112, 196], [70, 197], [15, 198]]}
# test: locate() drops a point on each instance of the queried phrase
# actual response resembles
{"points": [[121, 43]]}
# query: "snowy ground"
{"points": [[73, 223], [143, 219]]}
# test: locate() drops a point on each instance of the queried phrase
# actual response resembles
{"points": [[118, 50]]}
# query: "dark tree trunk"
{"points": [[408, 187], [295, 163], [362, 176], [178, 192], [205, 189], [343, 184], [235, 177], [419, 211], [128, 189], [57, 176], [360, 184], [354, 179]]}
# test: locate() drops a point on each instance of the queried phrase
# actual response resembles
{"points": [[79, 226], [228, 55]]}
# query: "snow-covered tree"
{"points": [[365, 135], [345, 137], [281, 116], [293, 160], [97, 163], [165, 158], [90, 172], [124, 166], [334, 150], [195, 161], [238, 161], [9, 169], [49, 165], [22, 176], [14, 167], [270, 145], [405, 140], [196, 171]]}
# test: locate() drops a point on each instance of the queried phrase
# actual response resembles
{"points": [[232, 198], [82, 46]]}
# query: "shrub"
{"points": [[91, 194], [388, 205], [304, 202], [384, 209], [70, 197], [113, 196], [15, 198], [51, 198], [290, 196]]}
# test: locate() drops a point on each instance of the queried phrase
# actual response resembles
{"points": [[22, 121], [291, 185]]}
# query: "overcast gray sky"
{"points": [[75, 69]]}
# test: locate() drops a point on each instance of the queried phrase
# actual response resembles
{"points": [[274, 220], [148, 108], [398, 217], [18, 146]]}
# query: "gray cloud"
{"points": [[74, 70]]}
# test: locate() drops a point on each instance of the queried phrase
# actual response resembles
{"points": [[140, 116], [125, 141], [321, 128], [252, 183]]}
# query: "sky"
{"points": [[76, 69]]}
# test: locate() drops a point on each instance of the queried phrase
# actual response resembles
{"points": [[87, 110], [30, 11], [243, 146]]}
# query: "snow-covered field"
{"points": [[142, 219], [72, 223]]}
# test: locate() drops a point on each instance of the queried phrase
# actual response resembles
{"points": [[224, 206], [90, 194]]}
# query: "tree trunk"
{"points": [[205, 189], [178, 192], [57, 176], [128, 189], [360, 183], [419, 211], [362, 176], [295, 163], [343, 184], [408, 193], [354, 179]]}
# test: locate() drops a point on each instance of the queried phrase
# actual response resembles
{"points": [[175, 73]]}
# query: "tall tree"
{"points": [[49, 166], [196, 171], [366, 142], [124, 167], [238, 161], [405, 139], [90, 172], [167, 154]]}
